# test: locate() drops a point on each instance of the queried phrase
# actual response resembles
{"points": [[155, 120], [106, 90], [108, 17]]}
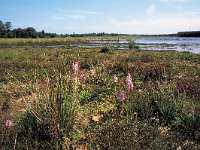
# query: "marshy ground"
{"points": [[67, 98]]}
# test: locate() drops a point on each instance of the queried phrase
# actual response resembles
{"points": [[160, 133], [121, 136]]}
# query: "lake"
{"points": [[170, 43], [150, 43]]}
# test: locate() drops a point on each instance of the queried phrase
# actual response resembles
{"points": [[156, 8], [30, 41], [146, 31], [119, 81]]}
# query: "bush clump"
{"points": [[105, 49], [132, 45]]}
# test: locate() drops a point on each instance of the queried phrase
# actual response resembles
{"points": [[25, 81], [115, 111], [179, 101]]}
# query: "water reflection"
{"points": [[170, 43]]}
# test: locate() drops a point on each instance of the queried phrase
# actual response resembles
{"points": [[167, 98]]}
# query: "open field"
{"points": [[78, 98]]}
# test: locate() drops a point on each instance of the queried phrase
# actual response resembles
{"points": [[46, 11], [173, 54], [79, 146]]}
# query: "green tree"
{"points": [[8, 26], [31, 32], [2, 29]]}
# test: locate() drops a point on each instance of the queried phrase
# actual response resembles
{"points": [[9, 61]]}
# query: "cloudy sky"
{"points": [[112, 16]]}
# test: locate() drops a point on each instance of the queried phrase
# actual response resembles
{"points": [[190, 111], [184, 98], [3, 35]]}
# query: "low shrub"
{"points": [[105, 49]]}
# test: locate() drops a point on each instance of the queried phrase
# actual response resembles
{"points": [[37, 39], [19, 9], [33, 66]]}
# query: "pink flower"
{"points": [[192, 111], [8, 123], [115, 78], [82, 76], [75, 67], [187, 86], [122, 96], [177, 90], [129, 82]]}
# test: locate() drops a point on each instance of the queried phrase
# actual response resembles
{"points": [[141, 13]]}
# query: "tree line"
{"points": [[6, 31], [189, 34]]}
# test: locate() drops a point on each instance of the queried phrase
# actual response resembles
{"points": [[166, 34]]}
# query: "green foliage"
{"points": [[84, 97], [132, 44], [105, 49]]}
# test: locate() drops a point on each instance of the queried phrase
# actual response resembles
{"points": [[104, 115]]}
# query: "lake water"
{"points": [[170, 43], [161, 43]]}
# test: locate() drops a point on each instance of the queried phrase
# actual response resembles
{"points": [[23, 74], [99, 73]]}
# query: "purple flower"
{"points": [[115, 78], [122, 96], [8, 123], [75, 67], [129, 82]]}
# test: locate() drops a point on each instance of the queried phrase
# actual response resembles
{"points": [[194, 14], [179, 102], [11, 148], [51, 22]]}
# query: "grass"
{"points": [[53, 107]]}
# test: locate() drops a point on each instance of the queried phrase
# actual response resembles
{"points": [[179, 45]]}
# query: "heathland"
{"points": [[100, 98]]}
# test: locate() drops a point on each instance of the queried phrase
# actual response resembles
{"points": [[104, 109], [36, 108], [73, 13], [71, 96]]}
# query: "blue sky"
{"points": [[112, 16]]}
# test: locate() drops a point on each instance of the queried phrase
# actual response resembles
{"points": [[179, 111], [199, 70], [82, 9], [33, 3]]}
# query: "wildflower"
{"points": [[115, 78], [75, 67], [192, 111], [82, 76], [177, 90], [8, 123], [187, 86], [122, 96], [129, 82]]}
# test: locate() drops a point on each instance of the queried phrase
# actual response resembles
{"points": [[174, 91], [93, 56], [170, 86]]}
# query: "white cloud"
{"points": [[85, 12], [164, 23], [151, 9], [63, 14], [66, 16]]}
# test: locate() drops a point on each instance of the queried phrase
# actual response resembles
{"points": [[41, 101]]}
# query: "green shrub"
{"points": [[105, 49], [84, 97], [132, 45]]}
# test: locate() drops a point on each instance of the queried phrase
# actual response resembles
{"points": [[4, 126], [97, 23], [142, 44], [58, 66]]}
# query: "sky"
{"points": [[110, 16]]}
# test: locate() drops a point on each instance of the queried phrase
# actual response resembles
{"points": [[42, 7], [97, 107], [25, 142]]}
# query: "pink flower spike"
{"points": [[128, 78], [129, 82], [130, 86], [122, 96], [75, 67], [187, 86], [115, 78], [177, 90], [8, 123], [82, 76]]}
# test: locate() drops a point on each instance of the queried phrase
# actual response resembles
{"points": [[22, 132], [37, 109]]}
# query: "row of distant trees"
{"points": [[189, 34], [90, 34], [6, 31]]}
